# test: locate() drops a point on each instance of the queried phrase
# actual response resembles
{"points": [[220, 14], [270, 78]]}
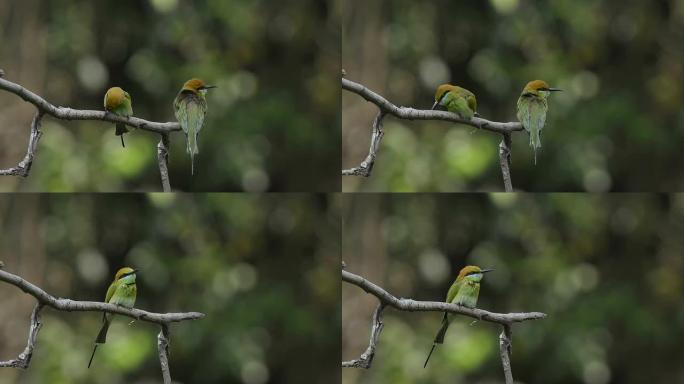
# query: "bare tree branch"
{"points": [[505, 350], [163, 159], [163, 346], [387, 299], [366, 166], [44, 299], [505, 161], [64, 113], [386, 107], [419, 114], [366, 358], [24, 358], [24, 167], [94, 306], [437, 306]]}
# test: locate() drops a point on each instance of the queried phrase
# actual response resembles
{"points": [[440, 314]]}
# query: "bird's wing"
{"points": [[540, 108], [453, 290], [536, 107], [196, 112], [189, 111], [127, 107], [529, 106], [180, 110], [472, 103], [459, 105], [110, 291], [124, 109], [470, 98]]}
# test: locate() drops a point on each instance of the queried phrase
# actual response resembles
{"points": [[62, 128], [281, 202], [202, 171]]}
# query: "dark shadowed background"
{"points": [[274, 113], [618, 126], [606, 269], [264, 269]]}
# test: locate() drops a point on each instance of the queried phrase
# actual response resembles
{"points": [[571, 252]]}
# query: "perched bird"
{"points": [[464, 291], [118, 101], [122, 291], [190, 107], [457, 100], [532, 107]]}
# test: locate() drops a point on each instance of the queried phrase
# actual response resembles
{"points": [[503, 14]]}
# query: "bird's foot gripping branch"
{"points": [[44, 299], [386, 107], [43, 107], [505, 320]]}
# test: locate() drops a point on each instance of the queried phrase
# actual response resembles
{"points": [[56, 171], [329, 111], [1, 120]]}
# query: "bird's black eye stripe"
{"points": [[443, 96], [473, 273]]}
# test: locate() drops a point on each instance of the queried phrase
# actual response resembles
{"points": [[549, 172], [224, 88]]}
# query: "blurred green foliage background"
{"points": [[275, 111], [264, 269], [607, 269], [618, 126]]}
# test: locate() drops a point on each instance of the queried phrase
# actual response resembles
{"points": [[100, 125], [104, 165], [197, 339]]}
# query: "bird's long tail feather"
{"points": [[535, 141], [439, 338], [192, 148], [93, 355], [102, 336], [120, 130], [424, 365]]}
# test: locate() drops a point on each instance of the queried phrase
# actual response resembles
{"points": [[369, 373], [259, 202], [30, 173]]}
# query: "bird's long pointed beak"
{"points": [[555, 90], [210, 86], [435, 105], [486, 270]]}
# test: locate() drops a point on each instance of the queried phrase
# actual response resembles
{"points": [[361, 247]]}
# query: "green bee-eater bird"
{"points": [[121, 291], [190, 107], [532, 107], [118, 101], [457, 100], [464, 291]]}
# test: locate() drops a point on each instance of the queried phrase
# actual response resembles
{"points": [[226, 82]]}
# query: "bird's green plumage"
{"points": [[532, 108], [190, 108], [464, 291], [118, 101], [467, 293], [122, 291], [532, 114], [457, 100], [462, 103]]}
